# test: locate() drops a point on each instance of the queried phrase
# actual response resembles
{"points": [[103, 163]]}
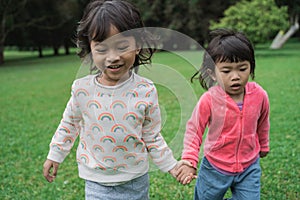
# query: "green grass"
{"points": [[35, 91]]}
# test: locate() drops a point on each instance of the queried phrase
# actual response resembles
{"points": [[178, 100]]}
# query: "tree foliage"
{"points": [[52, 23], [259, 19], [293, 6], [8, 11], [200, 15], [293, 10], [35, 24], [188, 17], [57, 20]]}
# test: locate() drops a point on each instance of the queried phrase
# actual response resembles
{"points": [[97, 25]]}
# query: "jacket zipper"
{"points": [[240, 138]]}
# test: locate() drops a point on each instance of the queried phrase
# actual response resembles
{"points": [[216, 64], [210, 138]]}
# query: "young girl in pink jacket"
{"points": [[236, 113]]}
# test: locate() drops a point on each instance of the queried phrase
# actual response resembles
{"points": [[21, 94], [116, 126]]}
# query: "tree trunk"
{"points": [[2, 49], [56, 51], [281, 38], [40, 49], [67, 49], [1, 55], [2, 39]]}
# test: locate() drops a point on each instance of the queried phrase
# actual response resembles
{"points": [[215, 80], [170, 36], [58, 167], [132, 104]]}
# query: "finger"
{"points": [[48, 177], [46, 170], [183, 177], [185, 162], [48, 165], [193, 176], [55, 168], [189, 178], [180, 176], [173, 173], [186, 180], [179, 170]]}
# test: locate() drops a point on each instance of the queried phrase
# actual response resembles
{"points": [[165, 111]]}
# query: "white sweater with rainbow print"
{"points": [[118, 126]]}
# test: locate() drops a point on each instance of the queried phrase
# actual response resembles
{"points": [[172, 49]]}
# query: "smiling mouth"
{"points": [[114, 66]]}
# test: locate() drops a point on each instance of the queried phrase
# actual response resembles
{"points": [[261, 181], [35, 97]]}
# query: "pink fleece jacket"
{"points": [[234, 137]]}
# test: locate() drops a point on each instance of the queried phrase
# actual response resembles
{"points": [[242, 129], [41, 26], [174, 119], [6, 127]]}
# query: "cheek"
{"points": [[219, 77], [222, 79], [130, 57], [98, 60]]}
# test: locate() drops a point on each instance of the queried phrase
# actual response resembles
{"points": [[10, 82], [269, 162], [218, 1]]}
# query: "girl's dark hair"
{"points": [[226, 46], [97, 19]]}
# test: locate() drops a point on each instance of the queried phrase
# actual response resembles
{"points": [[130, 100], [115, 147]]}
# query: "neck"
{"points": [[238, 98], [110, 81]]}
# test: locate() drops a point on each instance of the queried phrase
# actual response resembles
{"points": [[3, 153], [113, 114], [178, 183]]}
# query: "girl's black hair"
{"points": [[226, 46], [97, 19]]}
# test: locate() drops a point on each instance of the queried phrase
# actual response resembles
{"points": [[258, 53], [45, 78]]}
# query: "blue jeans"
{"points": [[212, 184], [136, 189]]}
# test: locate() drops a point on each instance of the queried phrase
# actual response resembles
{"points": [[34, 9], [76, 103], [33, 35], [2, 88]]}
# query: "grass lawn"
{"points": [[34, 93]]}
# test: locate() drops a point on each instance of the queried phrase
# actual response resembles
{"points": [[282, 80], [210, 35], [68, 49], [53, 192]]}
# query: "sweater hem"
{"points": [[94, 175]]}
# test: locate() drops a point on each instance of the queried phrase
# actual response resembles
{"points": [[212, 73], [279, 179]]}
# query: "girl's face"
{"points": [[114, 57], [232, 77]]}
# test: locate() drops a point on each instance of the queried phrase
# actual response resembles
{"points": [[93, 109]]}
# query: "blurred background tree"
{"points": [[294, 13], [9, 10], [260, 20], [48, 23], [35, 25]]}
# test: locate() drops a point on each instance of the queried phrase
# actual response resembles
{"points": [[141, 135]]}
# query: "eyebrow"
{"points": [[116, 42], [242, 64], [239, 65], [98, 44]]}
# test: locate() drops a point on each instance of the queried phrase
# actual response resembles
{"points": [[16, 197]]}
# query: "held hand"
{"points": [[186, 174], [48, 165], [174, 171], [263, 154]]}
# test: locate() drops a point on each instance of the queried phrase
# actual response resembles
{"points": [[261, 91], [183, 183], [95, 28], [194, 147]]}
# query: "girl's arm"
{"points": [[157, 147], [263, 126], [67, 131], [195, 128]]}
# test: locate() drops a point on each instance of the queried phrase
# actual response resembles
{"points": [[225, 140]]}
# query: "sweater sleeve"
{"points": [[195, 129], [263, 126], [157, 147], [67, 131]]}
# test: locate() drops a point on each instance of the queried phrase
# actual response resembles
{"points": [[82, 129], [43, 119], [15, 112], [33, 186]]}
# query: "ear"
{"points": [[211, 74], [138, 48], [137, 51]]}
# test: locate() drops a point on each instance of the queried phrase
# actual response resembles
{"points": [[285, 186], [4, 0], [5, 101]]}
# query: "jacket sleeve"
{"points": [[263, 126], [195, 129], [67, 131], [157, 147]]}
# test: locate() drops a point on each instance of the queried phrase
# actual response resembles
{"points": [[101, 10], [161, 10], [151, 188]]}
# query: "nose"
{"points": [[235, 76], [112, 56]]}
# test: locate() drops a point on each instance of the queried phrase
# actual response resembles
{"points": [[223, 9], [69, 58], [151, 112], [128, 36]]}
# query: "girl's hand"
{"points": [[263, 154], [186, 174], [174, 171], [49, 166]]}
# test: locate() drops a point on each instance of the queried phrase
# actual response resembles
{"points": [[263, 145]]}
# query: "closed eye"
{"points": [[225, 71], [123, 48], [100, 50]]}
